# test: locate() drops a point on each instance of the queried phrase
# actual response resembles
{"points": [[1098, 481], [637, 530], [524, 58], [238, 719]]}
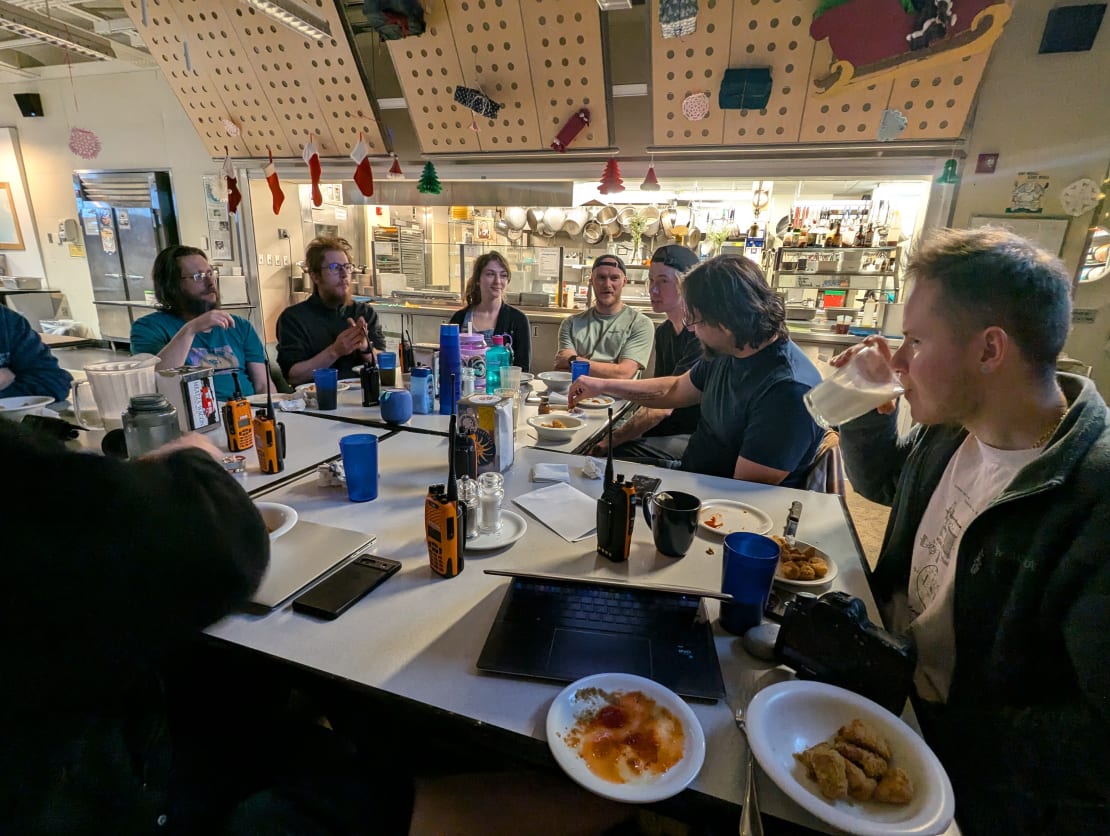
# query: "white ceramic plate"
{"points": [[512, 529], [791, 716], [569, 705], [735, 516], [597, 402], [832, 573], [260, 400]]}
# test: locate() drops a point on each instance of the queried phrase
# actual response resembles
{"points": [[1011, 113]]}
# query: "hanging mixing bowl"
{"points": [[592, 232], [534, 216], [515, 217], [625, 216], [576, 219], [554, 218], [651, 221]]}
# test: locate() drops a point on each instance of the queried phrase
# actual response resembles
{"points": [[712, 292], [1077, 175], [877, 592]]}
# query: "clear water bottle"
{"points": [[497, 358], [149, 422]]}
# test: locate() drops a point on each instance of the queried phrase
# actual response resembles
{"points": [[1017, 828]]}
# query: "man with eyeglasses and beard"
{"points": [[191, 330], [754, 425], [329, 329]]}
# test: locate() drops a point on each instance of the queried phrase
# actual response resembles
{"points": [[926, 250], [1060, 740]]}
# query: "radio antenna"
{"points": [[609, 460], [452, 485]]}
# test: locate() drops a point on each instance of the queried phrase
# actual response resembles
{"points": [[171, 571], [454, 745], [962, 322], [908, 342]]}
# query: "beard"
{"points": [[195, 307]]}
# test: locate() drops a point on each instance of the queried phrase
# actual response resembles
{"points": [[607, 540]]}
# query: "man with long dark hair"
{"points": [[754, 424], [192, 330]]}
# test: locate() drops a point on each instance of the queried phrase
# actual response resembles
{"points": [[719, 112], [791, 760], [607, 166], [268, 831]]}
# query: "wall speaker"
{"points": [[30, 104], [1072, 28]]}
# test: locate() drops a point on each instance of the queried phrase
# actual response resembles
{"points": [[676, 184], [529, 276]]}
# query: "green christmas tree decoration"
{"points": [[429, 181]]}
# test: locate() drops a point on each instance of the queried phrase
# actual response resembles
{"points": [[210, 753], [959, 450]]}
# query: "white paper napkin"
{"points": [[557, 398], [550, 473], [562, 508]]}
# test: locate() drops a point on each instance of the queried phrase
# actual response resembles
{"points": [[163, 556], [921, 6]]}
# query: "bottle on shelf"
{"points": [[836, 239], [862, 237]]}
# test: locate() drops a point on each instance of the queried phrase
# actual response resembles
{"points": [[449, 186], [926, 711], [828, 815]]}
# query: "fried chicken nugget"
{"points": [[861, 734], [832, 774], [805, 758], [805, 572], [790, 570], [872, 765], [895, 788], [860, 787], [820, 567]]}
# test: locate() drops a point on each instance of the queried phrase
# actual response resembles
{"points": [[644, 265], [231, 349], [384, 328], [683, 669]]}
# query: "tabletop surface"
{"points": [[427, 632]]}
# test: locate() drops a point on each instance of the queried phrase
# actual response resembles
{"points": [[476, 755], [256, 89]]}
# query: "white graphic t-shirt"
{"points": [[976, 475]]}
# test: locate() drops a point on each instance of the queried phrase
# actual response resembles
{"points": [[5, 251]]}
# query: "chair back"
{"points": [[826, 474]]}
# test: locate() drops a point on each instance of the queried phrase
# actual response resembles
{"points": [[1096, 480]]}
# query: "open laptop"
{"points": [[555, 627], [302, 555]]}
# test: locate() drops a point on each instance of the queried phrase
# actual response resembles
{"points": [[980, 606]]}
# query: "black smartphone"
{"points": [[336, 593], [643, 485]]}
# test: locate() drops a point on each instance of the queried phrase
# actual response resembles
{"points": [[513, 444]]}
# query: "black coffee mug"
{"points": [[673, 517]]}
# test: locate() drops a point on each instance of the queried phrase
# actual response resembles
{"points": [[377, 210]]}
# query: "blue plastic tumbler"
{"points": [[748, 568], [450, 368]]}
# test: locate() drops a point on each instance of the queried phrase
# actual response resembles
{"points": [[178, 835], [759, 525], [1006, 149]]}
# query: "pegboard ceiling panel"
{"points": [[934, 90], [254, 86], [541, 59]]}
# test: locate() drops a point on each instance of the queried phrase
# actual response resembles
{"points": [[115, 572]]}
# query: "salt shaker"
{"points": [[468, 495], [491, 493], [467, 381]]}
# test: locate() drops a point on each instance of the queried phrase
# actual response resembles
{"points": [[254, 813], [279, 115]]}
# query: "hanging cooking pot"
{"points": [[651, 221], [554, 218], [607, 217], [667, 220], [515, 217], [625, 216], [543, 230], [694, 236], [534, 216], [592, 232], [576, 219]]}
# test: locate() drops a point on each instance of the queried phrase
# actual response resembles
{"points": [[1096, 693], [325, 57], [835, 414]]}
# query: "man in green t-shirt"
{"points": [[615, 338]]}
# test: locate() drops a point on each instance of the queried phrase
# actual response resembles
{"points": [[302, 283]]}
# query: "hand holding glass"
{"points": [[866, 381]]}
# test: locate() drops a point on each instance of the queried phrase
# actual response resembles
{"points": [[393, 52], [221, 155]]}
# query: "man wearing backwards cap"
{"points": [[664, 433], [615, 338]]}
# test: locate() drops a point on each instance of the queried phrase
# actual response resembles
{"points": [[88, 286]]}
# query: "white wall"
{"points": [[27, 261], [141, 125]]}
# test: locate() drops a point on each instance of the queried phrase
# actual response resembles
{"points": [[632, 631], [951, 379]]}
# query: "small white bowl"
{"points": [[541, 424], [556, 381], [278, 518], [15, 408]]}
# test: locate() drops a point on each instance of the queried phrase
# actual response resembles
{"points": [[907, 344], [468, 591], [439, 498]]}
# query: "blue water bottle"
{"points": [[497, 358], [450, 368], [420, 383]]}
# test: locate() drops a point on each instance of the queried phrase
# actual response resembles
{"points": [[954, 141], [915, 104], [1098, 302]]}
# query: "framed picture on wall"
{"points": [[11, 238], [1046, 232]]}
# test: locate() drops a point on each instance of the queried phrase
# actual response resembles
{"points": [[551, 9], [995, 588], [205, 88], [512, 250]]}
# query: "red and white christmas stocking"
{"points": [[272, 182], [364, 177], [233, 196], [312, 157]]}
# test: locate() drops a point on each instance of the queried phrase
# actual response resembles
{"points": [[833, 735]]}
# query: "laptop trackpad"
{"points": [[575, 654]]}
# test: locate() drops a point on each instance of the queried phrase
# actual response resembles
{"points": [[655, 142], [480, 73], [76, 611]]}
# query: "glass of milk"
{"points": [[864, 383]]}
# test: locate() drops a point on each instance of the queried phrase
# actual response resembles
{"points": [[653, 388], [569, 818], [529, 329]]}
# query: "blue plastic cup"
{"points": [[327, 388], [748, 569], [360, 466], [579, 368]]}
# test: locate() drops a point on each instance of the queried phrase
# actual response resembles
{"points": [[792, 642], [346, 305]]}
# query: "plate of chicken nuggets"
{"points": [[849, 761], [801, 564]]}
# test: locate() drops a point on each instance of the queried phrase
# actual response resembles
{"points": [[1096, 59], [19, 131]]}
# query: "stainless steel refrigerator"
{"points": [[127, 218]]}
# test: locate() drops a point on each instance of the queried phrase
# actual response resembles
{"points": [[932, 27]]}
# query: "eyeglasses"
{"points": [[345, 268], [687, 322], [204, 276]]}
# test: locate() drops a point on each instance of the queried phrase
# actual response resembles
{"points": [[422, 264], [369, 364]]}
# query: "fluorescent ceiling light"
{"points": [[296, 17], [50, 31]]}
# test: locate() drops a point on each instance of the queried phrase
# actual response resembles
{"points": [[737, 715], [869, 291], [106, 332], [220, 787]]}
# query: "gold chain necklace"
{"points": [[1048, 433]]}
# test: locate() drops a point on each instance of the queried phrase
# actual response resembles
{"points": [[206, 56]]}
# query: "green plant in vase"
{"points": [[636, 226], [718, 235]]}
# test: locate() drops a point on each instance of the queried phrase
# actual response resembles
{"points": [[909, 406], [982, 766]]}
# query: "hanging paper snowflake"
{"points": [[892, 123], [84, 143], [651, 182], [230, 128], [695, 106]]}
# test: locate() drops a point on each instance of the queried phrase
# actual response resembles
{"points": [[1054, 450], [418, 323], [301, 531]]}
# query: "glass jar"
{"points": [[149, 422], [491, 493], [467, 381]]}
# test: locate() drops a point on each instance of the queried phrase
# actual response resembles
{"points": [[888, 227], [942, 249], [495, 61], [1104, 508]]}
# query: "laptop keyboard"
{"points": [[633, 611]]}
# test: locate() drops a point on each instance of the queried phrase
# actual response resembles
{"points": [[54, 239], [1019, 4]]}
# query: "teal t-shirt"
{"points": [[221, 348]]}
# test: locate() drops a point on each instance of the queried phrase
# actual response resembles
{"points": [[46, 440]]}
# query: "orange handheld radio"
{"points": [[445, 520], [269, 436], [614, 511], [237, 420]]}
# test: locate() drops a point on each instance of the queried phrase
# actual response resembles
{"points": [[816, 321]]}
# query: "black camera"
{"points": [[830, 639]]}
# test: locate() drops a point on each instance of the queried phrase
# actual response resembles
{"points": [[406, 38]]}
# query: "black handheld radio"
{"points": [[614, 511]]}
